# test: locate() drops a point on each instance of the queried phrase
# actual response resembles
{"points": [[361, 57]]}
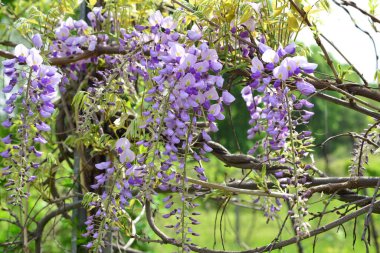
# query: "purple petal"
{"points": [[37, 41], [103, 165], [7, 88], [7, 139], [228, 98], [43, 127], [305, 88], [7, 123]]}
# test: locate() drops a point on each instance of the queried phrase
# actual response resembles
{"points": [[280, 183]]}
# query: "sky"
{"points": [[354, 44]]}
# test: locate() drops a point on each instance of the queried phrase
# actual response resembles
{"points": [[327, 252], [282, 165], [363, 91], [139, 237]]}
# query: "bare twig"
{"points": [[352, 4], [303, 14], [346, 59], [42, 223], [360, 29], [368, 217], [352, 106], [270, 247], [240, 191]]}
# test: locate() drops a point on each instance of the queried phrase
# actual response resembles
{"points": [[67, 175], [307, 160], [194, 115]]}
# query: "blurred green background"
{"points": [[241, 227]]}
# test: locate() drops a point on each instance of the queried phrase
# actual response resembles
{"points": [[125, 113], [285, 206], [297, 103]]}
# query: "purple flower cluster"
{"points": [[187, 91], [119, 181], [71, 37], [74, 37], [276, 113], [35, 84], [268, 97]]}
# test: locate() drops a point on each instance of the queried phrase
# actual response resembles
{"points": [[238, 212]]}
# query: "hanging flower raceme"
{"points": [[268, 96], [274, 96], [119, 180], [276, 113], [35, 84], [183, 104], [184, 90], [74, 37]]}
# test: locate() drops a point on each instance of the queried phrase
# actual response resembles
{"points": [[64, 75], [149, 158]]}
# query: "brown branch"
{"points": [[342, 184], [368, 216], [359, 182], [346, 59], [352, 4], [42, 223], [352, 106], [360, 161], [11, 222], [330, 188], [266, 248], [6, 54], [328, 185], [238, 190], [241, 161], [344, 91], [353, 136], [320, 230], [7, 43], [303, 14], [99, 50]]}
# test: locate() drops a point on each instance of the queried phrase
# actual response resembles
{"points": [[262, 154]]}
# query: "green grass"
{"points": [[255, 232]]}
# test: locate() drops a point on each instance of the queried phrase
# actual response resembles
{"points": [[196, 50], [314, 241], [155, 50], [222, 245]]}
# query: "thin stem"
{"points": [[241, 191], [184, 186]]}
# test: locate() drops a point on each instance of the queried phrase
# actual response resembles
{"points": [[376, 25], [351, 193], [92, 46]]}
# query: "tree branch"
{"points": [[42, 223], [99, 50], [352, 106], [303, 14], [238, 190], [352, 4], [266, 248], [241, 161]]}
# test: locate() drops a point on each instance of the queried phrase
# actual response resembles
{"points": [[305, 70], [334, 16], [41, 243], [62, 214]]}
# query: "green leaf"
{"points": [[78, 99], [377, 77], [293, 23], [91, 3], [278, 11]]}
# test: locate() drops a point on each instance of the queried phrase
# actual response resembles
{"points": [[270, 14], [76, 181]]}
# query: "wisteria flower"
{"points": [[21, 52], [250, 23], [209, 55], [305, 88], [62, 33], [123, 148], [42, 126], [37, 41], [168, 24], [270, 56], [227, 97], [280, 72], [195, 33], [301, 62], [34, 59], [291, 48], [176, 50], [257, 65], [187, 61], [156, 18], [7, 139]]}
